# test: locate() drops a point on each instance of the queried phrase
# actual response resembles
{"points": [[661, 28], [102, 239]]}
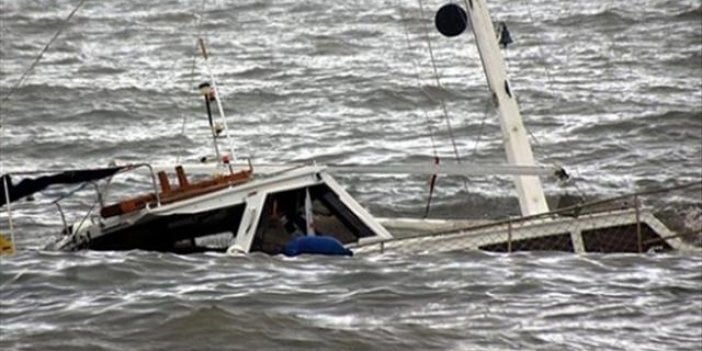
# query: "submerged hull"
{"points": [[608, 232], [261, 215], [265, 215], [180, 233]]}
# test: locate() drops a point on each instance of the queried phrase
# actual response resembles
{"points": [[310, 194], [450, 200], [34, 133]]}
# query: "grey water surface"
{"points": [[610, 89]]}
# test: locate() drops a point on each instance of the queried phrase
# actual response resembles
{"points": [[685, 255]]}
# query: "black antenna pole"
{"points": [[207, 92]]}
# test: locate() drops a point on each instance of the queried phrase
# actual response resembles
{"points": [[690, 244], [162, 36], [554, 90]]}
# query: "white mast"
{"points": [[201, 43], [529, 189]]}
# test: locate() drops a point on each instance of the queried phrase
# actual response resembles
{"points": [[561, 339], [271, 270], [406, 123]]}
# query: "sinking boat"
{"points": [[295, 209]]}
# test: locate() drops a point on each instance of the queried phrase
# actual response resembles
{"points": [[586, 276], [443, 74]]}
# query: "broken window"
{"points": [[283, 219]]}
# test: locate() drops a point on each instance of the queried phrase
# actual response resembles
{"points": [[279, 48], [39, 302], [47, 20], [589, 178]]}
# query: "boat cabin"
{"points": [[239, 214]]}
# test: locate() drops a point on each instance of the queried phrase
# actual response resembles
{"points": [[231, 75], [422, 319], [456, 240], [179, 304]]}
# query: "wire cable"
{"points": [[28, 71], [438, 84]]}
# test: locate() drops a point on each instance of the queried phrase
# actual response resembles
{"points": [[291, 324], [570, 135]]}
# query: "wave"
{"points": [[593, 21], [693, 14], [668, 121], [685, 119], [68, 301], [328, 45]]}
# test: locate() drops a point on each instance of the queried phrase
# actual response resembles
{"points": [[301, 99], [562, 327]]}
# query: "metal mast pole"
{"points": [[207, 92], [529, 190], [201, 43]]}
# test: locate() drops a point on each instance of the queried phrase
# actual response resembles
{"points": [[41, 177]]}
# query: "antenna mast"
{"points": [[213, 92]]}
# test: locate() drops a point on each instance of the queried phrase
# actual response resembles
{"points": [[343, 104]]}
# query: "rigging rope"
{"points": [[539, 46], [438, 84], [200, 47], [488, 103], [419, 83], [26, 74], [191, 83], [433, 179], [41, 53], [549, 78], [549, 87], [531, 135]]}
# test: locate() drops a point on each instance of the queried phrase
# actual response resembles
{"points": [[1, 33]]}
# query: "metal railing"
{"points": [[618, 224], [57, 202]]}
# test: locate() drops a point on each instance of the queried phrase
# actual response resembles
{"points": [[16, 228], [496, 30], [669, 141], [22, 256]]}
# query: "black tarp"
{"points": [[28, 186]]}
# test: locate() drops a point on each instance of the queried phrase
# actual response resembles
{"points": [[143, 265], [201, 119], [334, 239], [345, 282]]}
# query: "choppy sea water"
{"points": [[610, 89], [457, 301]]}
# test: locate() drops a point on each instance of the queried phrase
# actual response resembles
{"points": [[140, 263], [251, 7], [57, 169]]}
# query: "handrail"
{"points": [[577, 208], [125, 168], [153, 181]]}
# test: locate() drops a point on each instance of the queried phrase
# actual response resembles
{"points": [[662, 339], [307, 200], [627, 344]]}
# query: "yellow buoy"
{"points": [[6, 246]]}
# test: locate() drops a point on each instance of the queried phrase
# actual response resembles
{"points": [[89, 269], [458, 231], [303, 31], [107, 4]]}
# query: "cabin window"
{"points": [[181, 233], [283, 218], [208, 231]]}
